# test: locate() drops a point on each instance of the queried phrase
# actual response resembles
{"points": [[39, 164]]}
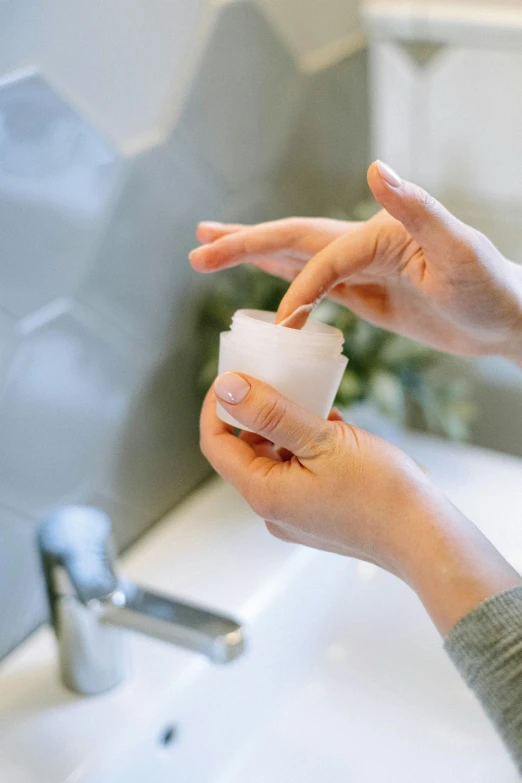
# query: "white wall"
{"points": [[447, 114]]}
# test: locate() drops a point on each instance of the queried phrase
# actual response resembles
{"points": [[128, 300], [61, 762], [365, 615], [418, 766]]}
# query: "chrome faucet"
{"points": [[88, 602]]}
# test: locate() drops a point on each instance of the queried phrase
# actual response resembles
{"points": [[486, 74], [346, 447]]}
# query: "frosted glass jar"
{"points": [[306, 365]]}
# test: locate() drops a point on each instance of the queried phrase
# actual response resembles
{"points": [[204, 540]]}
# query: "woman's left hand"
{"points": [[332, 486]]}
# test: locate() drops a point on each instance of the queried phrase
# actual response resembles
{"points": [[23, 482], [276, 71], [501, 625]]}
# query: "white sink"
{"points": [[345, 679]]}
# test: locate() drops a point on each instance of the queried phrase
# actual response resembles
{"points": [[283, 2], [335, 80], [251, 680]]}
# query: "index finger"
{"points": [[209, 231], [343, 257], [251, 243]]}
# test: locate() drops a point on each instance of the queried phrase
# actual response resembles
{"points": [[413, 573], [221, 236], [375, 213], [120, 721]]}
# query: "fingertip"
{"points": [[211, 225], [205, 235], [196, 258], [372, 174], [297, 317], [383, 181], [201, 259], [377, 184]]}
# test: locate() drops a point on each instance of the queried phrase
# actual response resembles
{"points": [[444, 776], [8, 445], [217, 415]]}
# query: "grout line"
{"points": [[333, 53], [23, 518], [82, 109], [49, 312], [275, 27], [11, 77], [179, 88]]}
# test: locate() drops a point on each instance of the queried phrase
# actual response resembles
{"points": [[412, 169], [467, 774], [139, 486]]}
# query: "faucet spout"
{"points": [[217, 637]]}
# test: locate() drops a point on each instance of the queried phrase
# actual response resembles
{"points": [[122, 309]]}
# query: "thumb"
{"points": [[428, 222], [265, 411]]}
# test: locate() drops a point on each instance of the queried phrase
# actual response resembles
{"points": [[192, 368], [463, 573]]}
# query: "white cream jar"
{"points": [[306, 365]]}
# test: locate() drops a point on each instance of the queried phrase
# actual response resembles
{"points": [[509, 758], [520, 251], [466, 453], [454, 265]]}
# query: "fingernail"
{"points": [[231, 387], [197, 253], [211, 224], [388, 174]]}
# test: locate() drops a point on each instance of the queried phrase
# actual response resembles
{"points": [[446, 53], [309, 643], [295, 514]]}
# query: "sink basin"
{"points": [[381, 702], [344, 678]]}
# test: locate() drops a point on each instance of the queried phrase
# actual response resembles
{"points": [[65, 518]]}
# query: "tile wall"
{"points": [[121, 125]]}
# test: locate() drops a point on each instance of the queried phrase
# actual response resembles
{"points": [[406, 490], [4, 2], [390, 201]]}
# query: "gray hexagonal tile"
{"points": [[243, 98], [125, 62], [142, 277], [20, 27], [23, 605], [128, 522], [68, 388], [267, 201], [309, 26], [328, 151], [57, 179], [156, 459]]}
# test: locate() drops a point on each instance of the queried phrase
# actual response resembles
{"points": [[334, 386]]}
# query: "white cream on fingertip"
{"points": [[305, 309]]}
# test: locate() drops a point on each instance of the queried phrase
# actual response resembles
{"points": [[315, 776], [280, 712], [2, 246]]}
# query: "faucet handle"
{"points": [[77, 540]]}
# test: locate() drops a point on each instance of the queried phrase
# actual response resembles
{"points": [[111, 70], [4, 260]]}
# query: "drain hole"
{"points": [[168, 736]]}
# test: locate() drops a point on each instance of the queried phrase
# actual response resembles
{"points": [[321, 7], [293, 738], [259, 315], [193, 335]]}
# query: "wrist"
{"points": [[453, 567]]}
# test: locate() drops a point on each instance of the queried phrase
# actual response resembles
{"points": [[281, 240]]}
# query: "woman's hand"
{"points": [[413, 268], [331, 486]]}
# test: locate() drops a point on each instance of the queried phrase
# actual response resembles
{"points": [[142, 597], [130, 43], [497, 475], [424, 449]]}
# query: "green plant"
{"points": [[385, 369]]}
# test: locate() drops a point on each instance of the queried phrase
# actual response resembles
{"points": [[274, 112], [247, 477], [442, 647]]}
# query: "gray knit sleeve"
{"points": [[486, 648]]}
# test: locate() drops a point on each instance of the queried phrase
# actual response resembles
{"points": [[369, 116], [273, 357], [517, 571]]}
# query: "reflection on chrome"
{"points": [[90, 606]]}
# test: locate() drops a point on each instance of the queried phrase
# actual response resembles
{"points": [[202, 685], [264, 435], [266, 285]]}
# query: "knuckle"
{"points": [[295, 222], [250, 243], [337, 443], [261, 493], [328, 440], [428, 206], [268, 417], [296, 228], [426, 200]]}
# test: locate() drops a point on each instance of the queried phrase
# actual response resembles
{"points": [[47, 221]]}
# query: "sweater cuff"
{"points": [[477, 641]]}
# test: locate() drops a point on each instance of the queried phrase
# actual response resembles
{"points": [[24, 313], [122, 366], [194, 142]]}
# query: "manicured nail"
{"points": [[388, 174], [197, 253], [231, 387], [211, 224]]}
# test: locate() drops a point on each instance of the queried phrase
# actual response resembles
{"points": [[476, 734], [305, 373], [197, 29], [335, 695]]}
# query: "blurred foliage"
{"points": [[387, 370]]}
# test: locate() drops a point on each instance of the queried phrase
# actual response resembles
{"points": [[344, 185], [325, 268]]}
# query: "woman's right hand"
{"points": [[413, 268]]}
